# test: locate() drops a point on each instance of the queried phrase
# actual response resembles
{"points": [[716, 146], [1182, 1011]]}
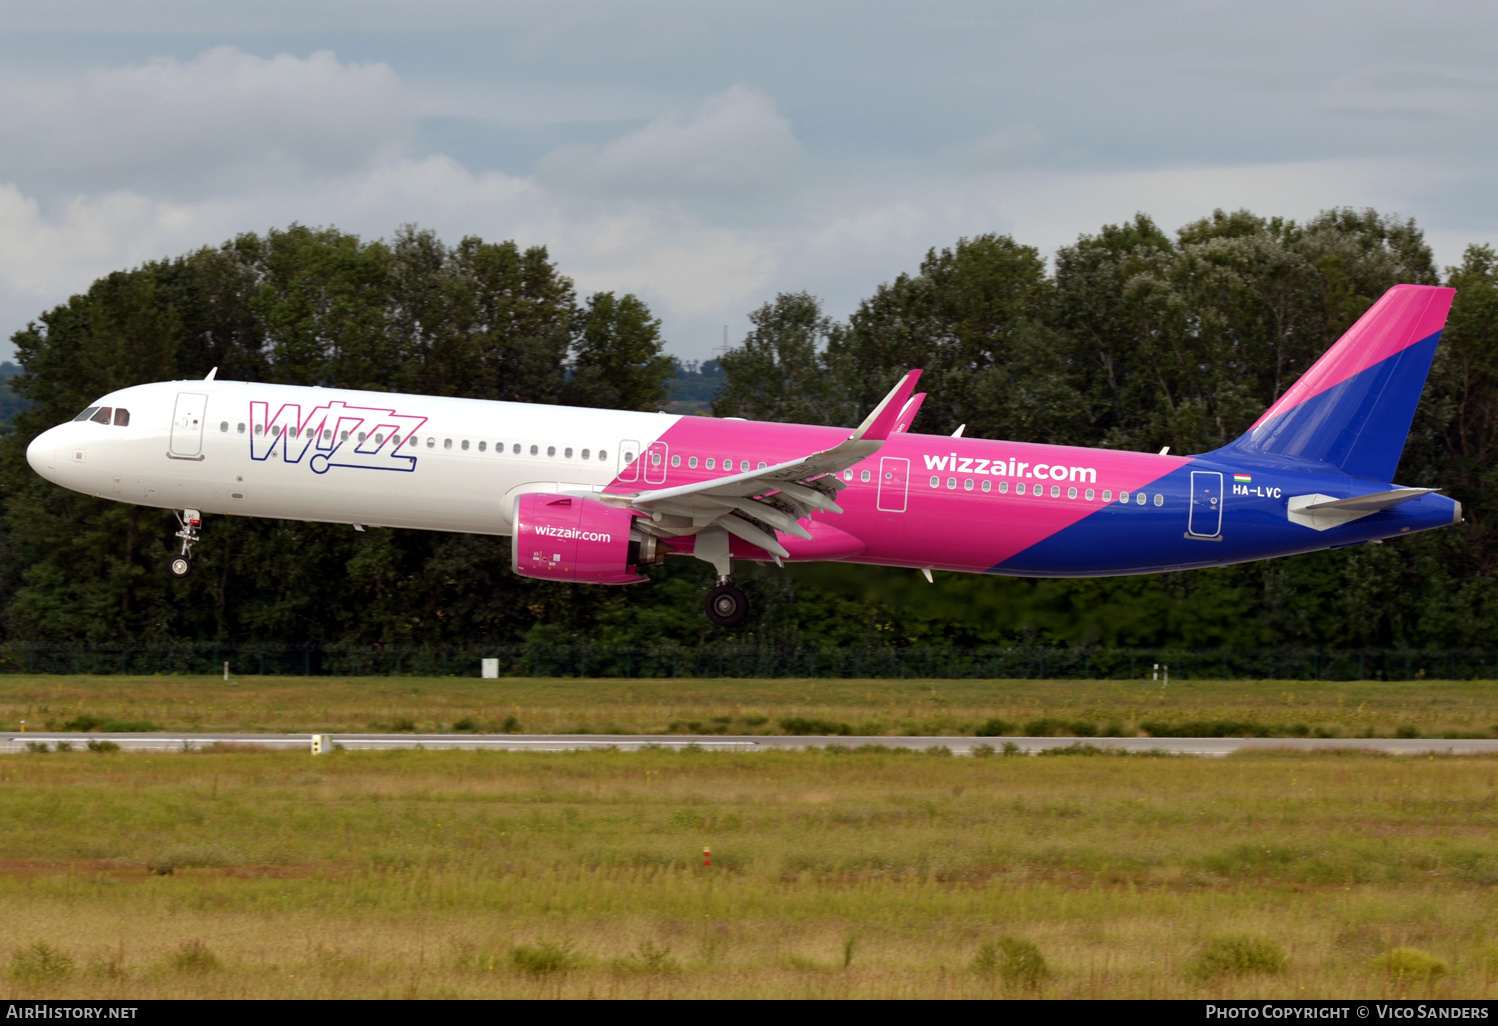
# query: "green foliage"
{"points": [[40, 962], [194, 958], [649, 958], [1410, 965], [814, 726], [777, 373], [1016, 961], [102, 747], [995, 728], [545, 957], [1236, 955]]}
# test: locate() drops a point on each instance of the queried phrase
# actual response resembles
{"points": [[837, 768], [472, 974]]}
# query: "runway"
{"points": [[1198, 746]]}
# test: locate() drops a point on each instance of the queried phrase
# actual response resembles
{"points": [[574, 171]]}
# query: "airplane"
{"points": [[592, 496]]}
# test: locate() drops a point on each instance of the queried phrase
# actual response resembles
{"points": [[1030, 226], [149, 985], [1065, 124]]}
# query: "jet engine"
{"points": [[568, 538]]}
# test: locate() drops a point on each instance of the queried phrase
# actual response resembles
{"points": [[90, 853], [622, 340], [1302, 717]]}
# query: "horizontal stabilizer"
{"points": [[1320, 512], [1371, 503]]}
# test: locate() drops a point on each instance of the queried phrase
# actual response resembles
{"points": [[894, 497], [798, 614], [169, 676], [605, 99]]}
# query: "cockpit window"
{"points": [[86, 414], [121, 417], [102, 416]]}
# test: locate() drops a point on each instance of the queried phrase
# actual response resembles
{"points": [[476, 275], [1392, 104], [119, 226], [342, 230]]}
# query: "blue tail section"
{"points": [[1354, 407]]}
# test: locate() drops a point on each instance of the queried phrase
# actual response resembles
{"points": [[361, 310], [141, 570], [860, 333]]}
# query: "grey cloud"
{"points": [[733, 144], [225, 119]]}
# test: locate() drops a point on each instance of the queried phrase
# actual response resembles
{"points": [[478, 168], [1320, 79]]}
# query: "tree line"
{"points": [[1131, 338]]}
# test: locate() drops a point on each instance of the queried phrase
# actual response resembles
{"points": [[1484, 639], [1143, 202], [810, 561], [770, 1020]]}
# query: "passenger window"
{"points": [[675, 461], [465, 445], [567, 452], [551, 450], [1159, 499], [483, 447], [363, 435], [935, 481], [864, 476], [1003, 487], [516, 449], [327, 435], [223, 426], [692, 462], [1071, 493], [710, 462], [1139, 498], [1107, 495], [967, 484], [535, 450], [1123, 497], [431, 441], [1090, 494], [743, 466], [655, 459], [86, 414], [241, 427], [104, 414], [1019, 489], [761, 465], [603, 454], [987, 485], [447, 443], [585, 454], [260, 429], [1055, 491], [951, 482]]}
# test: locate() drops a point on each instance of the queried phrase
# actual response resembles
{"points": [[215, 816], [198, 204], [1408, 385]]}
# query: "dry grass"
{"points": [[857, 707], [835, 874]]}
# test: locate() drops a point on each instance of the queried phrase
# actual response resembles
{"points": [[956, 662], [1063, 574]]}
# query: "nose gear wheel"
{"points": [[189, 520]]}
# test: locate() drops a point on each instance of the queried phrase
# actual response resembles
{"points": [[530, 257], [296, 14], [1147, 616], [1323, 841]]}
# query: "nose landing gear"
{"points": [[190, 520]]}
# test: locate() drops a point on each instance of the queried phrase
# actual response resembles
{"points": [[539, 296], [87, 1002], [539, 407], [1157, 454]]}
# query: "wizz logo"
{"points": [[335, 435]]}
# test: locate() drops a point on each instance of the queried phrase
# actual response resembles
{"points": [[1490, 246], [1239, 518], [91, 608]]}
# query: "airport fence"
{"points": [[749, 661]]}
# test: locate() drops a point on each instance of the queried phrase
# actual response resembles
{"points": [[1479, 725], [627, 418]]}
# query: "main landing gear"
{"points": [[190, 520], [727, 606]]}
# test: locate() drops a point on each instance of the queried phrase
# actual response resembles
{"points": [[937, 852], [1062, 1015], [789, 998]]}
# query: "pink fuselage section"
{"points": [[893, 514]]}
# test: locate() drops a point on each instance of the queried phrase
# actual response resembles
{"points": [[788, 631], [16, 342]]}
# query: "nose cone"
{"points": [[41, 453]]}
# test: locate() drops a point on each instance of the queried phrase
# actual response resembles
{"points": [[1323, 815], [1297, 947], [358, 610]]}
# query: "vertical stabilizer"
{"points": [[1354, 407]]}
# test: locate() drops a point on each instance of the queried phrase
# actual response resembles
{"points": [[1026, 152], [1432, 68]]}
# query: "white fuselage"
{"points": [[302, 453]]}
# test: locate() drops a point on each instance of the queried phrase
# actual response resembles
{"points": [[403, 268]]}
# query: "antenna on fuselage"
{"points": [[209, 376]]}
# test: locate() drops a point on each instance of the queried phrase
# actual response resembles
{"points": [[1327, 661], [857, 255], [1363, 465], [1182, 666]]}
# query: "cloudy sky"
{"points": [[707, 155]]}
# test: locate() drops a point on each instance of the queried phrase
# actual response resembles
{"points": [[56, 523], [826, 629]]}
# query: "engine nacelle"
{"points": [[566, 538]]}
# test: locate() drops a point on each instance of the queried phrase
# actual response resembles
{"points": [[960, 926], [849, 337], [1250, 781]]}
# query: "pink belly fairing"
{"points": [[943, 527]]}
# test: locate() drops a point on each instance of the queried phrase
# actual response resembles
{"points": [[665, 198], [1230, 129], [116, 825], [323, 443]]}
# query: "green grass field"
{"points": [[859, 872], [854, 707], [862, 873]]}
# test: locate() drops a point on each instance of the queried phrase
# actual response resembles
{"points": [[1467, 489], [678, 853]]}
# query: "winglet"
{"points": [[907, 415], [880, 422]]}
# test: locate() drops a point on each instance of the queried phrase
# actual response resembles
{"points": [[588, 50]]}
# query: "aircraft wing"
{"points": [[756, 504]]}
